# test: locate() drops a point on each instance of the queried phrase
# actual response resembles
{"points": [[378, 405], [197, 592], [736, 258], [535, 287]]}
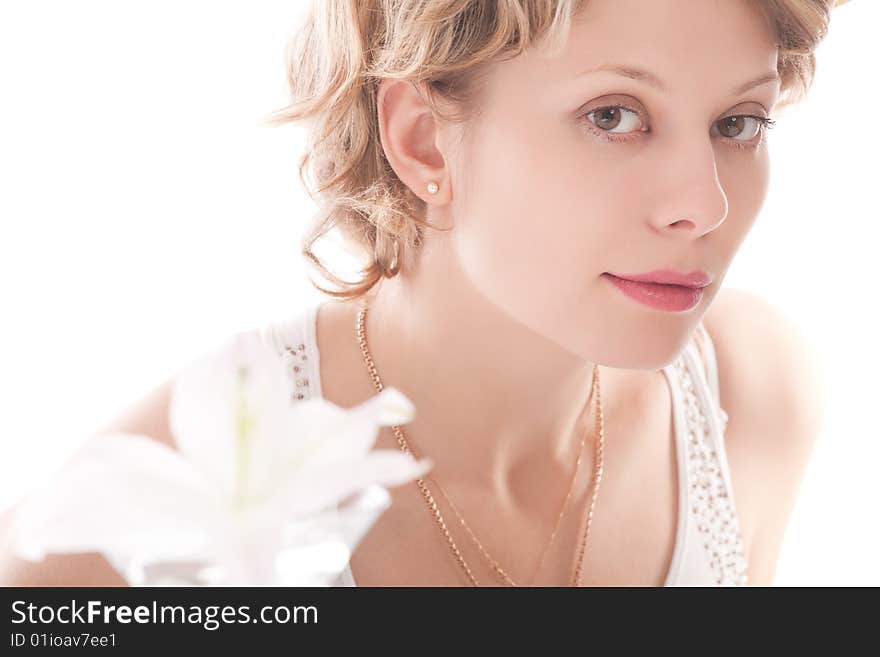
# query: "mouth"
{"points": [[670, 297], [696, 279]]}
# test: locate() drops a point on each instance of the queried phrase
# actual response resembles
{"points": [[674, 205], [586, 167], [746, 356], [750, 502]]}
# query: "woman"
{"points": [[506, 168]]}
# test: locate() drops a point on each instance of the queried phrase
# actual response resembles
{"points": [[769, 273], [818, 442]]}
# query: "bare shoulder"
{"points": [[769, 374], [147, 415], [770, 385]]}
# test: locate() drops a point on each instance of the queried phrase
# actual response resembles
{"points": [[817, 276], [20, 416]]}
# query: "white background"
{"points": [[146, 215]]}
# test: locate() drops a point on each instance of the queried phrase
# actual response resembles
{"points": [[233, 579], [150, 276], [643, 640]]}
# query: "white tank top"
{"points": [[708, 543]]}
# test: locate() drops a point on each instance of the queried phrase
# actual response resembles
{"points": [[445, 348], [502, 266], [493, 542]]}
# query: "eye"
{"points": [[753, 127], [611, 117], [620, 123]]}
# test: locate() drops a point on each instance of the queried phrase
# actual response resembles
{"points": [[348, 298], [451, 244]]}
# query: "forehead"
{"points": [[707, 46]]}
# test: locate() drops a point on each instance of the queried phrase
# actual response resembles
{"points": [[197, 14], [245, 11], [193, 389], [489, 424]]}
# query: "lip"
{"points": [[696, 278], [661, 296]]}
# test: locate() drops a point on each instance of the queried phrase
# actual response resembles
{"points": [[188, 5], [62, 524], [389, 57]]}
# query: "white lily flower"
{"points": [[260, 491]]}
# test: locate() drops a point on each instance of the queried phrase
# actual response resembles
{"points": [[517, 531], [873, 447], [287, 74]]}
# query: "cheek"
{"points": [[530, 227], [756, 193], [746, 183]]}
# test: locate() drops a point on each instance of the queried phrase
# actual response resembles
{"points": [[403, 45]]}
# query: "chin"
{"points": [[652, 352]]}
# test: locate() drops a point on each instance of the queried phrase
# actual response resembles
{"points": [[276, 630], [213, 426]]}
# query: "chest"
{"points": [[632, 533]]}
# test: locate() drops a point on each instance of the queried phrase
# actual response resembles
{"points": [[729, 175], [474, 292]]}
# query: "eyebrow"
{"points": [[649, 78]]}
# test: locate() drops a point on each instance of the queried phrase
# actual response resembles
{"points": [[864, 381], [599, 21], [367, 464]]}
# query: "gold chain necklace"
{"points": [[432, 505]]}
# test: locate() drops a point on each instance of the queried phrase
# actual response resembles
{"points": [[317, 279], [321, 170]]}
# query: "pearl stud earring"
{"points": [[432, 187]]}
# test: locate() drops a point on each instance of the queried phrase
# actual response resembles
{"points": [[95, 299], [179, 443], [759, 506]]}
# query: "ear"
{"points": [[410, 138]]}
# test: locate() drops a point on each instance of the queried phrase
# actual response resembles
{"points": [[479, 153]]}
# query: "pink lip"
{"points": [[662, 296], [670, 277]]}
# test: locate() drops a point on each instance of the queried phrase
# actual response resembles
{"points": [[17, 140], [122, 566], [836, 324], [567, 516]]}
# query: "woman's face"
{"points": [[548, 197]]}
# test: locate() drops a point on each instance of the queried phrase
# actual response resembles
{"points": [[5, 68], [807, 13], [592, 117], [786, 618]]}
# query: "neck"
{"points": [[498, 405]]}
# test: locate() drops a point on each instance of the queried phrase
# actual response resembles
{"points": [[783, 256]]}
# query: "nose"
{"points": [[693, 200]]}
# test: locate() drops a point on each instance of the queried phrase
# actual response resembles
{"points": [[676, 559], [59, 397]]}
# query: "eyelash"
{"points": [[766, 124]]}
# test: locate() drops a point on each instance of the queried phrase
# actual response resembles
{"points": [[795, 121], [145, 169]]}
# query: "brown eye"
{"points": [[607, 118], [734, 126]]}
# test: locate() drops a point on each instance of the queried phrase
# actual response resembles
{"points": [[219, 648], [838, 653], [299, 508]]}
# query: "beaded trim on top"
{"points": [[295, 359], [710, 502]]}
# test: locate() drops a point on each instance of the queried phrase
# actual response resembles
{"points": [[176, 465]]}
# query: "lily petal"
{"points": [[120, 494], [315, 488], [326, 433], [226, 413], [319, 546]]}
